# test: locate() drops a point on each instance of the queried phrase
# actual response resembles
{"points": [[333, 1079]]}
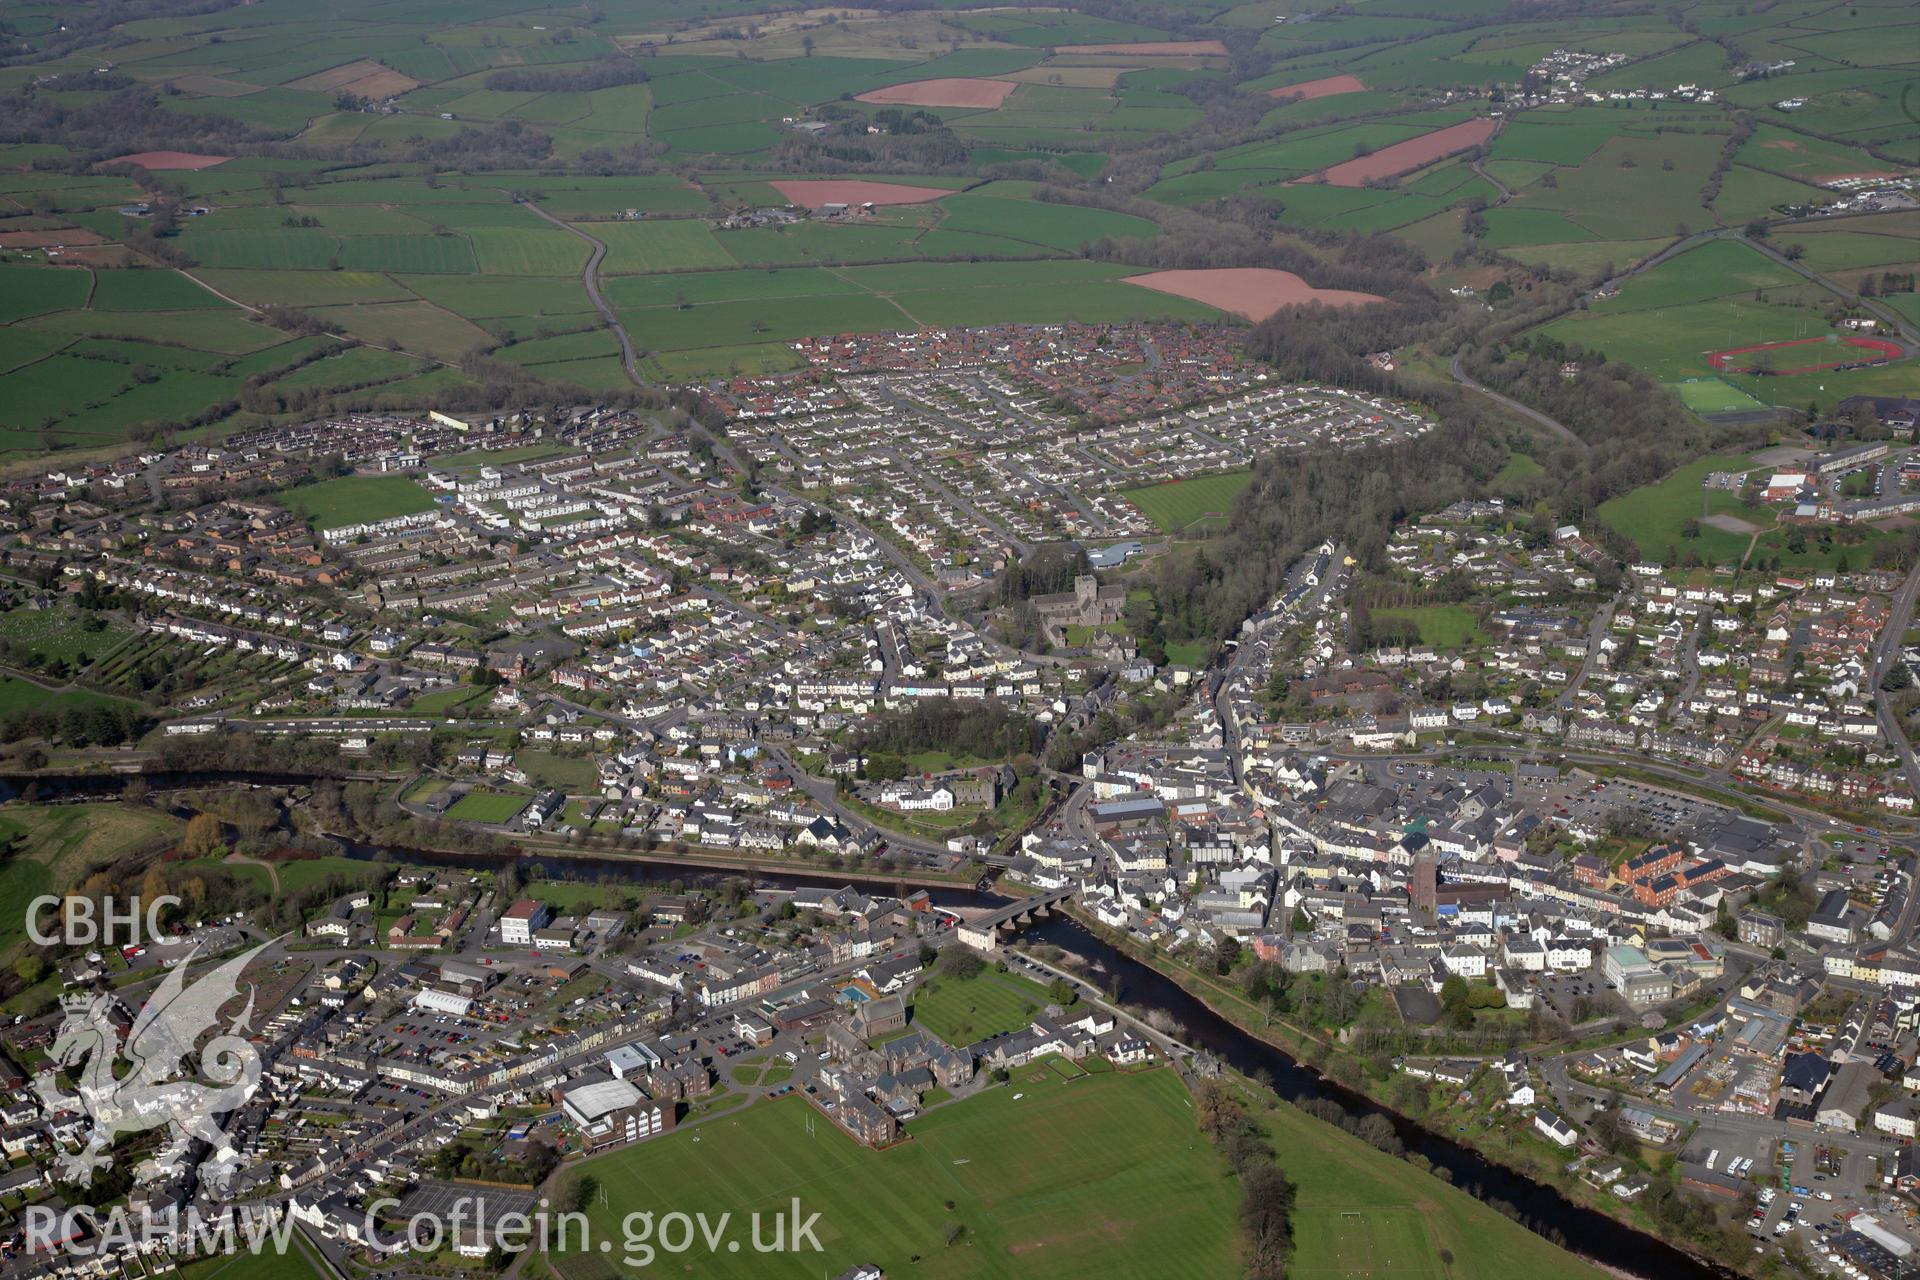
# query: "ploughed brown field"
{"points": [[1326, 87], [1403, 157], [1253, 292], [1150, 48], [947, 91], [811, 193], [365, 79], [156, 161], [47, 239]]}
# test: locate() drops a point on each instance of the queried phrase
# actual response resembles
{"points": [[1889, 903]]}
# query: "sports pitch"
{"points": [[1104, 1176], [1365, 1241], [1707, 396], [487, 806], [1176, 506]]}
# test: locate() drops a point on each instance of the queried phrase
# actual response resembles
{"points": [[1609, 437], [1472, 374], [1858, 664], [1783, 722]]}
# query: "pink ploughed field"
{"points": [[1253, 292], [1403, 157], [944, 92], [1308, 90], [811, 193], [157, 161]]}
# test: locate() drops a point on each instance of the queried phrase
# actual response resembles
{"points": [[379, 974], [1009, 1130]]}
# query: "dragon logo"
{"points": [[154, 1091]]}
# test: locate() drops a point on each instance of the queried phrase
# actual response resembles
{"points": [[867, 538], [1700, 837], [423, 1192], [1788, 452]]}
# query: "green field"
{"points": [[1444, 626], [963, 1010], [297, 874], [1655, 516], [24, 695], [487, 806], [418, 231], [49, 848], [265, 1265], [1128, 1188], [1177, 506], [1711, 395], [568, 773], [1718, 296], [332, 504], [716, 319]]}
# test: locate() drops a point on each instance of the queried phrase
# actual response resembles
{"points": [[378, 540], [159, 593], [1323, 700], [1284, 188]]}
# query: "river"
{"points": [[1542, 1209]]}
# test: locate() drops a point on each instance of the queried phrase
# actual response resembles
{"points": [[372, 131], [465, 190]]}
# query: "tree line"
{"points": [[988, 730], [1266, 1193], [604, 73]]}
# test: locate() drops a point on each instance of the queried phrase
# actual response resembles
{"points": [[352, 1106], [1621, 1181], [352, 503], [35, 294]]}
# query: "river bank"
{"points": [[1298, 1048], [1536, 1204]]}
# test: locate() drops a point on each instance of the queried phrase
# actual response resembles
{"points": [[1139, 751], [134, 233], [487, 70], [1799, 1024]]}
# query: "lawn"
{"points": [[487, 806], [25, 695], [1655, 515], [568, 773], [1128, 1188], [298, 874], [445, 701], [349, 500], [1176, 506], [1444, 626], [963, 1010]]}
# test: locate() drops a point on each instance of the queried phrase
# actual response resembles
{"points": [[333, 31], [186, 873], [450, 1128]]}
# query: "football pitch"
{"points": [[1711, 395], [1175, 506], [1103, 1176], [1364, 1242]]}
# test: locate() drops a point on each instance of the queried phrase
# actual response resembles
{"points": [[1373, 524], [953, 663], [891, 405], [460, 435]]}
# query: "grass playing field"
{"points": [[1366, 1242], [1362, 1215], [1176, 506], [1711, 395], [487, 806], [356, 499], [266, 1265], [1127, 1187], [1654, 515], [963, 1010]]}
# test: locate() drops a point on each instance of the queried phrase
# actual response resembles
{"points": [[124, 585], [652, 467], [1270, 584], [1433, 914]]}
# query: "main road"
{"points": [[1885, 654]]}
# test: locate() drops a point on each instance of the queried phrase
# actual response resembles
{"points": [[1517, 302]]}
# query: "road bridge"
{"points": [[982, 933]]}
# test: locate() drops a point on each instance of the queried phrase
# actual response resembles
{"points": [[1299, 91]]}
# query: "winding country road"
{"points": [[1558, 428], [590, 277]]}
